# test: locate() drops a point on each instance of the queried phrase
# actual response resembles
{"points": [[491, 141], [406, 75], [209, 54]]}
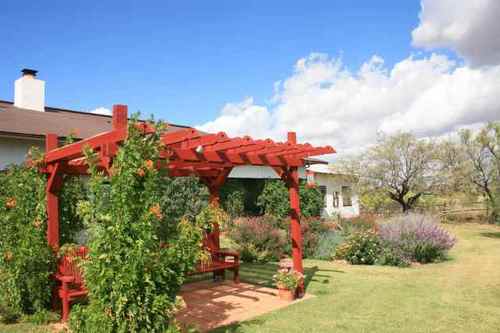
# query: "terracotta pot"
{"points": [[286, 295]]}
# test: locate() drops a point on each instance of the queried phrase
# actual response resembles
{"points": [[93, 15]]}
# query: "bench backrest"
{"points": [[69, 264]]}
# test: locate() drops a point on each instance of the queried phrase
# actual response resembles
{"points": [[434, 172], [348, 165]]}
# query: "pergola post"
{"points": [[214, 184], [292, 176], [54, 183], [214, 199]]}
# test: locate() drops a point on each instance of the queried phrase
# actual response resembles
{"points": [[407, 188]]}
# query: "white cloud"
{"points": [[102, 110], [470, 27], [327, 104], [239, 119]]}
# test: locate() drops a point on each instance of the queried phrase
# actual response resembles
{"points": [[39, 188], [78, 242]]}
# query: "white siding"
{"points": [[333, 184], [15, 150], [258, 172]]}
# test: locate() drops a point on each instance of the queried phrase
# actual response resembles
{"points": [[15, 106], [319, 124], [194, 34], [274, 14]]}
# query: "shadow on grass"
{"points": [[237, 326], [262, 274], [491, 234]]}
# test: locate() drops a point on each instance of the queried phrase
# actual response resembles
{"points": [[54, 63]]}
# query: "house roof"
{"points": [[15, 121]]}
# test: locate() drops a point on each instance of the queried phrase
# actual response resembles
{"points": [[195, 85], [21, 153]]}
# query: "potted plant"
{"points": [[287, 282]]}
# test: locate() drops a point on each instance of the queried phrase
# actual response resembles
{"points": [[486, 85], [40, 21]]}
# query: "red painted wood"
{"points": [[293, 191], [179, 136], [120, 116], [209, 156], [71, 283], [75, 150], [51, 141], [54, 183], [53, 219]]}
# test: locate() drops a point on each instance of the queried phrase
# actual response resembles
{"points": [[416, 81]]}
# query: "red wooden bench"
{"points": [[221, 260], [71, 284], [69, 275]]}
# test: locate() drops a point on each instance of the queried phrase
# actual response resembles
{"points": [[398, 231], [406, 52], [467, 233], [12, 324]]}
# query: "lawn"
{"points": [[459, 295]]}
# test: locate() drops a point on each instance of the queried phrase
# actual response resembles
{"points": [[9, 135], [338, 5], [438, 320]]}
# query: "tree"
{"points": [[183, 197], [483, 162], [401, 166]]}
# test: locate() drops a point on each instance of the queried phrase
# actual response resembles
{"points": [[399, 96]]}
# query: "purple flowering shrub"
{"points": [[416, 237]]}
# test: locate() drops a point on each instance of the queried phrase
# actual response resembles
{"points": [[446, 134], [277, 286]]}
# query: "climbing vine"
{"points": [[73, 191], [135, 267], [26, 261]]}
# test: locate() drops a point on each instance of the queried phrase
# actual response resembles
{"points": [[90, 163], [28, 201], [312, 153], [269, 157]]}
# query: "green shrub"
{"points": [[312, 228], [349, 226], [392, 256], [132, 280], [327, 243], [42, 317], [360, 248], [26, 261], [234, 204], [9, 314], [182, 197], [311, 201], [274, 200], [70, 223]]}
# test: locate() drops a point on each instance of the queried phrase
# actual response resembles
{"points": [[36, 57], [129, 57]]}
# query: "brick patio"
{"points": [[210, 305]]}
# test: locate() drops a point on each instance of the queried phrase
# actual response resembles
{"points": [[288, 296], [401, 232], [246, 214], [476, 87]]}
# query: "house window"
{"points": [[322, 189], [346, 196], [335, 199]]}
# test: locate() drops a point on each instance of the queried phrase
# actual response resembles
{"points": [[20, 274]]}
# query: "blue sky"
{"points": [[184, 60]]}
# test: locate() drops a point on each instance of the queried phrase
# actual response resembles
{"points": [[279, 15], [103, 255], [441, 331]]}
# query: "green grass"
{"points": [[459, 295]]}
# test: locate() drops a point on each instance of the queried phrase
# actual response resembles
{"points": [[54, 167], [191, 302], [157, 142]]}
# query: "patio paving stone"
{"points": [[213, 304]]}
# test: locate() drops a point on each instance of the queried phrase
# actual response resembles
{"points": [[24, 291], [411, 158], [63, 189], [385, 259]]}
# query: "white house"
{"points": [[339, 191], [24, 123]]}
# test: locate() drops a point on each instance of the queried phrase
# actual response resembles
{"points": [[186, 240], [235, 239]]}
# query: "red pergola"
{"points": [[210, 157]]}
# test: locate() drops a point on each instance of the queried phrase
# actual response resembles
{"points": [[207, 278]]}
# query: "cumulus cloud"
{"points": [[469, 27], [239, 119], [430, 95], [325, 103], [102, 110]]}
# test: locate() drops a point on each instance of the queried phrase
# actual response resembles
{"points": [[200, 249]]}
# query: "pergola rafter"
{"points": [[211, 157]]}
